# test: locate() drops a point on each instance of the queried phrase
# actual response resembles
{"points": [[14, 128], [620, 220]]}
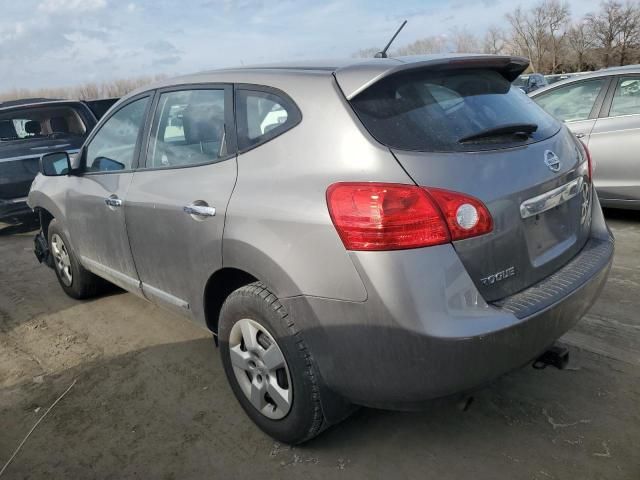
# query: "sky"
{"points": [[52, 43]]}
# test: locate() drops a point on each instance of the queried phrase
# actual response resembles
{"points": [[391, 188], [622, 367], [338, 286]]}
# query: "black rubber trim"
{"points": [[595, 256]]}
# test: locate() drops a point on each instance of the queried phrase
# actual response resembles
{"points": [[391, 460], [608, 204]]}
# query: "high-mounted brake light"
{"points": [[389, 216]]}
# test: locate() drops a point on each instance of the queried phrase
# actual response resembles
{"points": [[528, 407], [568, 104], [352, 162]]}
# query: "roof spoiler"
{"points": [[360, 76]]}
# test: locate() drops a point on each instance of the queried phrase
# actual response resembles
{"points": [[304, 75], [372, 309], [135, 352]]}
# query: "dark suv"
{"points": [[30, 128]]}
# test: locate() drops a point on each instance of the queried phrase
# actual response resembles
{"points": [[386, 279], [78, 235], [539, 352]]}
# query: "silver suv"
{"points": [[377, 232], [603, 110]]}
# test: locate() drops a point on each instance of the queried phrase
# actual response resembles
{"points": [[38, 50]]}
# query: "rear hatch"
{"points": [[465, 128]]}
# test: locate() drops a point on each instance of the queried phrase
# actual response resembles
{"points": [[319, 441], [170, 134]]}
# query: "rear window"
{"points": [[433, 111], [41, 122]]}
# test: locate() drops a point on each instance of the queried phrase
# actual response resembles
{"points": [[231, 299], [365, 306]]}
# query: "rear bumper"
{"points": [[425, 332], [14, 210]]}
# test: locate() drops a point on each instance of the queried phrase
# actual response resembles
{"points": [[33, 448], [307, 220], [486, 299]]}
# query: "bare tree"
{"points": [[605, 27], [432, 44], [539, 32], [629, 30], [529, 34], [464, 41], [87, 91], [557, 18], [493, 42], [581, 41], [366, 53]]}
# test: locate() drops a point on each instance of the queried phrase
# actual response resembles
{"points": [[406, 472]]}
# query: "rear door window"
{"points": [[263, 115], [626, 99], [439, 110], [573, 102]]}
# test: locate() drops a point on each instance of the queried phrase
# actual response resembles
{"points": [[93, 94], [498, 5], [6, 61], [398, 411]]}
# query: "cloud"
{"points": [[161, 46], [61, 6], [49, 43], [168, 60]]}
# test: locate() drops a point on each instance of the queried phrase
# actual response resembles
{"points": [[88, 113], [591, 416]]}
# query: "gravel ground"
{"points": [[151, 401]]}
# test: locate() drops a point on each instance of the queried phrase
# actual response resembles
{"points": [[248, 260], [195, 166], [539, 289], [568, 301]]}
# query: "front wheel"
{"points": [[269, 367], [73, 278]]}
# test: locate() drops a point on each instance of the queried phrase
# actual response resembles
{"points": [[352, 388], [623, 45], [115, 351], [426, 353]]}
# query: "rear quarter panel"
{"points": [[278, 227]]}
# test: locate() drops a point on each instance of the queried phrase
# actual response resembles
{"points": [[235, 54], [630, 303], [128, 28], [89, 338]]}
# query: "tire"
{"points": [[75, 280], [266, 320]]}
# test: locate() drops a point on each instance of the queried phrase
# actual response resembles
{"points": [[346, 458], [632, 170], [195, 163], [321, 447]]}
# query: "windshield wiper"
{"points": [[524, 129]]}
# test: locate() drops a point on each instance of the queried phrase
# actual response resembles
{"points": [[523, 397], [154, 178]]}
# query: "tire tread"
{"points": [[259, 289]]}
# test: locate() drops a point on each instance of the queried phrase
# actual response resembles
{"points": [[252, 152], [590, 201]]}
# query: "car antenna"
{"points": [[383, 53]]}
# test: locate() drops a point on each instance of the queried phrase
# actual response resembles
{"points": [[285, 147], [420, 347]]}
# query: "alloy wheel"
{"points": [[61, 259]]}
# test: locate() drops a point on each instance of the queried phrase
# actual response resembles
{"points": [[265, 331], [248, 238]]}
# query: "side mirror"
{"points": [[55, 164]]}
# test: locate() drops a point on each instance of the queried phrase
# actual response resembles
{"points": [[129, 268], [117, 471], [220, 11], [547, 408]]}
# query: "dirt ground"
{"points": [[151, 401]]}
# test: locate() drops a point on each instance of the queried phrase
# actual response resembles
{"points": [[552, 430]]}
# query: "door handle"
{"points": [[199, 210], [580, 135], [113, 201]]}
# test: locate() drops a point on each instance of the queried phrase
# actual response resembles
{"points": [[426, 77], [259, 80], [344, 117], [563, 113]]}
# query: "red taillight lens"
{"points": [[466, 216], [589, 160], [383, 216]]}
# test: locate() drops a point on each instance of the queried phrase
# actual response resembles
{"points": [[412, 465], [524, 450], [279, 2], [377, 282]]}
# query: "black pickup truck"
{"points": [[31, 128]]}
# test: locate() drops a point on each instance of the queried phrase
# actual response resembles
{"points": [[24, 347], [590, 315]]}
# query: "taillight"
{"points": [[389, 216], [589, 160], [466, 216]]}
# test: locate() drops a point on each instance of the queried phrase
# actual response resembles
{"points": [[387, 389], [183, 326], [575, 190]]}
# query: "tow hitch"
{"points": [[557, 356]]}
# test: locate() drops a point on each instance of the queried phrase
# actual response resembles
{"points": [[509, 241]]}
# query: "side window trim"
{"points": [[600, 102], [608, 98], [141, 135], [229, 118], [296, 114]]}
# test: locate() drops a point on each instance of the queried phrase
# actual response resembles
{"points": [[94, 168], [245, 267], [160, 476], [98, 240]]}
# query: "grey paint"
{"points": [[98, 230], [166, 241], [503, 180], [417, 312], [357, 77], [424, 335]]}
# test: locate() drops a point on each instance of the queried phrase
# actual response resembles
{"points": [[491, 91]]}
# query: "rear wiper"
{"points": [[525, 129]]}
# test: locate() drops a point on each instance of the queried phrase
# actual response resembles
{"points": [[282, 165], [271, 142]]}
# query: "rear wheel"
{"points": [[74, 279], [269, 367]]}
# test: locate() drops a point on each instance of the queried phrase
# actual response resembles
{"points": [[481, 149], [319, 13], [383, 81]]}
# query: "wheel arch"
{"points": [[243, 264], [218, 287], [45, 217]]}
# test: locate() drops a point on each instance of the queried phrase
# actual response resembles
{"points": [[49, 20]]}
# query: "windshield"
{"points": [[439, 111], [40, 122]]}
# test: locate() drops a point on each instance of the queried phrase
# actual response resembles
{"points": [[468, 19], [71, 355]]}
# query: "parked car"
{"points": [[375, 232], [30, 128], [557, 77], [603, 109], [531, 82]]}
